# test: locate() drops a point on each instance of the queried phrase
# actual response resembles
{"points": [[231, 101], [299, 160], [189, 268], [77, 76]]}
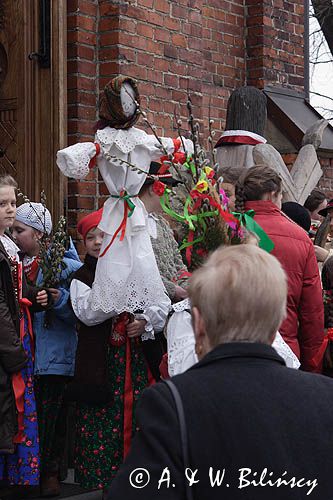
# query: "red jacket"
{"points": [[303, 328]]}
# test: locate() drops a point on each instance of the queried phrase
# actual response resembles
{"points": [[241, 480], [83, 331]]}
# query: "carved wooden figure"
{"points": [[242, 144]]}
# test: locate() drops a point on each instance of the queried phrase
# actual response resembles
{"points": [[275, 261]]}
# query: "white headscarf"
{"points": [[35, 215]]}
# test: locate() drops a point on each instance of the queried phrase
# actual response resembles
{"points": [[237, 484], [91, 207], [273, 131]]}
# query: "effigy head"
{"points": [[119, 103]]}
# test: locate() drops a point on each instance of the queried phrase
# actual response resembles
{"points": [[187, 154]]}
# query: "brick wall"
{"points": [[275, 44], [82, 70], [172, 48]]}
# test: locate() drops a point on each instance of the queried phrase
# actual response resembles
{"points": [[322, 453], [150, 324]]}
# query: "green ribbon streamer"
{"points": [[186, 244], [187, 217], [189, 164], [127, 199], [246, 220], [165, 204]]}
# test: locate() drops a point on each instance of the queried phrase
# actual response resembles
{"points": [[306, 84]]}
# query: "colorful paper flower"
{"points": [[209, 172], [201, 186], [159, 188], [224, 199]]}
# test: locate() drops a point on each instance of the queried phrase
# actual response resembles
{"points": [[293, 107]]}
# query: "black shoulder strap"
{"points": [[183, 432]]}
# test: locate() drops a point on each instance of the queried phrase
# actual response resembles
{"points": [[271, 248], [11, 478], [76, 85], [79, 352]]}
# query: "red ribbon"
{"points": [[181, 275], [129, 397], [128, 400], [176, 144], [19, 390], [93, 160], [318, 358], [164, 367], [25, 304], [238, 139], [199, 197], [189, 249], [17, 378]]}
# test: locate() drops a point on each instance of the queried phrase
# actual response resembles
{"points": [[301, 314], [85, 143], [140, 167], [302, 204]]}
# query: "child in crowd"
{"points": [[112, 370], [19, 448], [56, 341], [227, 178]]}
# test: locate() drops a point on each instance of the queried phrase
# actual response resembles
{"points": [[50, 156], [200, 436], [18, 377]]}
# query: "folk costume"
{"points": [[127, 277], [111, 372], [19, 445], [56, 342], [181, 342]]}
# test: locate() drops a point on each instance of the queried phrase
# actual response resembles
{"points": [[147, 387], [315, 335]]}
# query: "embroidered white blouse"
{"points": [[155, 316], [181, 342]]}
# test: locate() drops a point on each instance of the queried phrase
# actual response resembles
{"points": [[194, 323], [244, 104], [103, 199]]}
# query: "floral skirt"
{"points": [[52, 419], [103, 432], [22, 468]]}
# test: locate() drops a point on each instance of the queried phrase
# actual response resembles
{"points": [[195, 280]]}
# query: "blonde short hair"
{"points": [[241, 293], [7, 180]]}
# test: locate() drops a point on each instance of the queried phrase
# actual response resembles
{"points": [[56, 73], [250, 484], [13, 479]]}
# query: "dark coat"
{"points": [[12, 355], [90, 378], [244, 409]]}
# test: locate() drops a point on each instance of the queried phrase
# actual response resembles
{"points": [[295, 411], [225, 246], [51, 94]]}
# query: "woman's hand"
{"points": [[181, 293], [42, 298], [321, 253], [56, 294], [136, 328]]}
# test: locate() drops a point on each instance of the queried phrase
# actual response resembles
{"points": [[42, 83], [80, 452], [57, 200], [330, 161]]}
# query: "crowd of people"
{"points": [[131, 315], [84, 357]]}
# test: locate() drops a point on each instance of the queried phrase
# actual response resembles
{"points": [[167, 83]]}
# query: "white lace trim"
{"points": [[283, 350], [182, 306], [134, 294], [11, 248], [125, 140], [74, 160]]}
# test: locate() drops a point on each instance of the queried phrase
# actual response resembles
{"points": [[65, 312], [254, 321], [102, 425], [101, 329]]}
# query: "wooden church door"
{"points": [[33, 95]]}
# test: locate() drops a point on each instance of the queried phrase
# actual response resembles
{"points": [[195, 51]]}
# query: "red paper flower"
{"points": [[179, 157], [159, 188]]}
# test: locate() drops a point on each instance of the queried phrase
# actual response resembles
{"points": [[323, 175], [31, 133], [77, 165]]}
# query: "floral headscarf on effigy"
{"points": [[118, 103]]}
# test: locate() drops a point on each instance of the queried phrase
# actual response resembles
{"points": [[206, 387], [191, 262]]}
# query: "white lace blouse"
{"points": [[155, 316], [181, 342]]}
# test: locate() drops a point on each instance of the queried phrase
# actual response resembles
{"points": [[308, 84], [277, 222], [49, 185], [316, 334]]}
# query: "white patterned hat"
{"points": [[35, 215]]}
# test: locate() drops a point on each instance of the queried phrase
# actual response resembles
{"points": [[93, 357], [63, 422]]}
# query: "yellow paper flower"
{"points": [[201, 186], [209, 172]]}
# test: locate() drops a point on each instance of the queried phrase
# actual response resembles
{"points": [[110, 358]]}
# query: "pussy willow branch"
{"points": [[194, 135], [178, 125]]}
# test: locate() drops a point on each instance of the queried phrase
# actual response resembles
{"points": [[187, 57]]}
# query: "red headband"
{"points": [[88, 222]]}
